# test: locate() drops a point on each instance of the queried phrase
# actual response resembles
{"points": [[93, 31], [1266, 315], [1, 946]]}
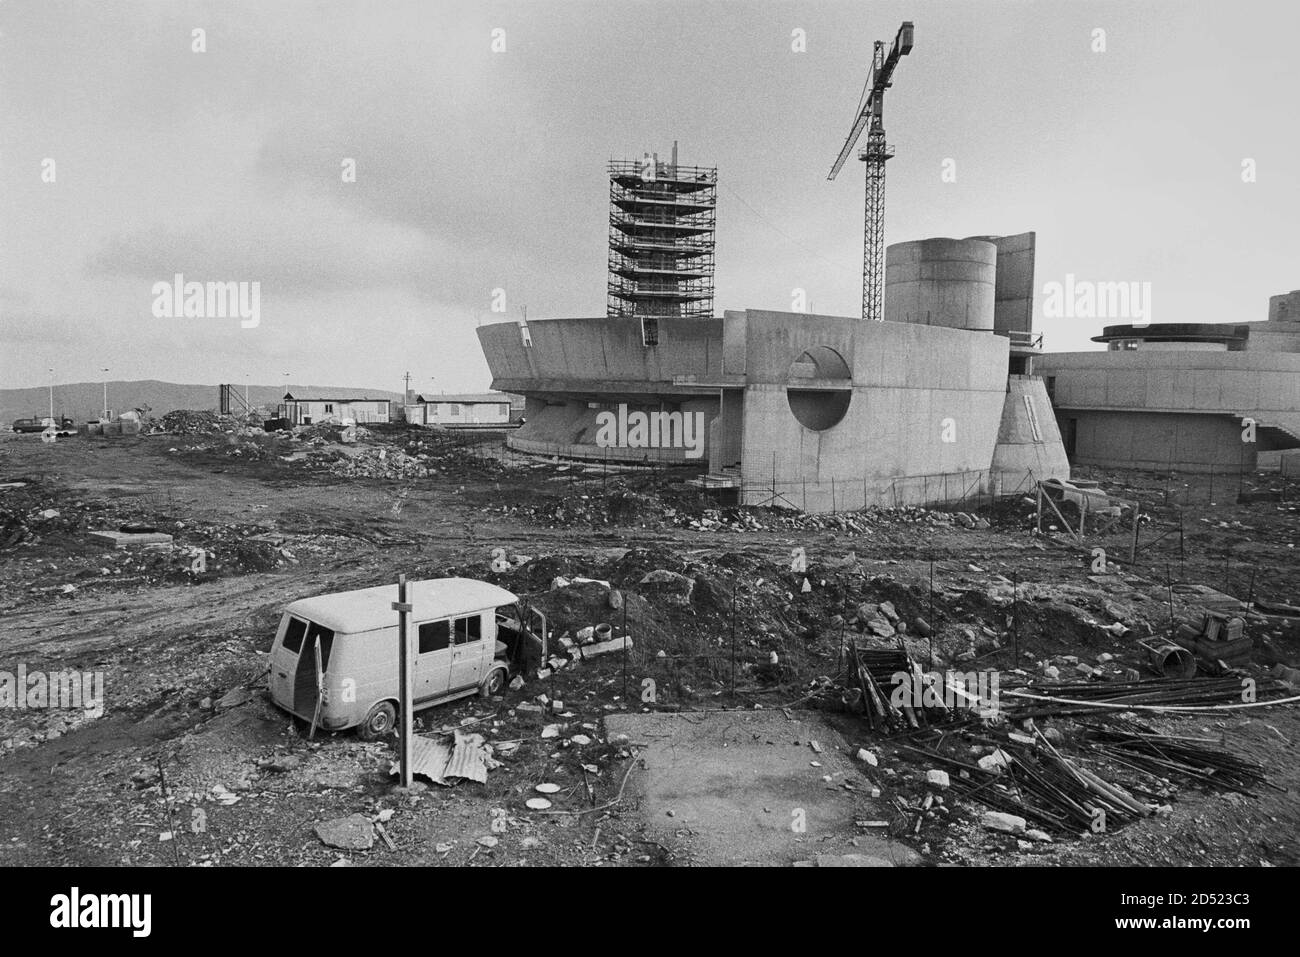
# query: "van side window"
{"points": [[469, 629], [434, 636], [293, 635]]}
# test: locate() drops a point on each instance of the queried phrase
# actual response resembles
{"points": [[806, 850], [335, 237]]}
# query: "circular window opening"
{"points": [[818, 388]]}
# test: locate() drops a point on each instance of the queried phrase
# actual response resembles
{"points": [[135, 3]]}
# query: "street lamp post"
{"points": [[51, 395], [105, 414]]}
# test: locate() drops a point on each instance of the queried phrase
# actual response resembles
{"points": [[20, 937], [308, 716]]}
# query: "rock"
{"points": [[887, 609], [881, 627], [351, 833], [965, 521], [866, 757], [1084, 668], [921, 627], [517, 682], [671, 586], [998, 821], [937, 779], [1034, 834], [1051, 671], [996, 762], [615, 599], [282, 764], [234, 698]]}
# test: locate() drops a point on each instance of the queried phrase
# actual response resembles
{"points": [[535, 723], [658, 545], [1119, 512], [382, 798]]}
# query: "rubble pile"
{"points": [[371, 463], [190, 422]]}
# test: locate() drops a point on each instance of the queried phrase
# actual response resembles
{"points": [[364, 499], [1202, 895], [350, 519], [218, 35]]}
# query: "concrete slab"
{"points": [[128, 539], [731, 787]]}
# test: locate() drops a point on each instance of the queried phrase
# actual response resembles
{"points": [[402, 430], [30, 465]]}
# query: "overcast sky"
{"points": [[479, 170]]}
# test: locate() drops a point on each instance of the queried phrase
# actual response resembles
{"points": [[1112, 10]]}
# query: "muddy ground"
{"points": [[190, 764]]}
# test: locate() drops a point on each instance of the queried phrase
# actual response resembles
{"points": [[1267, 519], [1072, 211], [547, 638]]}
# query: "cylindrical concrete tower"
{"points": [[941, 282]]}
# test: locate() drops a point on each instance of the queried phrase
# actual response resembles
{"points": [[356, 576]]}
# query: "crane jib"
{"points": [[879, 80]]}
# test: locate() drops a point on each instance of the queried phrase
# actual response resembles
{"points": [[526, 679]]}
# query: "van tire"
{"points": [[494, 683], [379, 722]]}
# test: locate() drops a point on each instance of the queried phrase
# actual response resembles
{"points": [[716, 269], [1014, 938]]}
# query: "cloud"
{"points": [[295, 243]]}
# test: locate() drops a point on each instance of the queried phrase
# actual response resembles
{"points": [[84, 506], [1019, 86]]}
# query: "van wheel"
{"points": [[493, 683], [379, 722]]}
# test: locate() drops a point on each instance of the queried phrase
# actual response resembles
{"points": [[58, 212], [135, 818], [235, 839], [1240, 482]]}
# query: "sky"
{"points": [[481, 169]]}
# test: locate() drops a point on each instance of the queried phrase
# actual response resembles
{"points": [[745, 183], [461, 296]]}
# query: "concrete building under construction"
{"points": [[817, 412], [1211, 397]]}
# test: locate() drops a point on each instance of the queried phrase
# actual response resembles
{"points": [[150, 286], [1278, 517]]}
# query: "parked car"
{"points": [[335, 657], [64, 425]]}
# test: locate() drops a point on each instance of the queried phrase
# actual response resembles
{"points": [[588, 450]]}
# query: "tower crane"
{"points": [[874, 156]]}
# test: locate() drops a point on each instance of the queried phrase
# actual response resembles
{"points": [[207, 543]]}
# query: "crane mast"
{"points": [[874, 156]]}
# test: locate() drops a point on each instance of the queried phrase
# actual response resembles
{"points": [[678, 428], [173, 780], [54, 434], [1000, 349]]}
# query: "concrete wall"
{"points": [[570, 428], [1263, 386], [911, 387], [600, 354], [1161, 440], [1013, 297], [941, 282]]}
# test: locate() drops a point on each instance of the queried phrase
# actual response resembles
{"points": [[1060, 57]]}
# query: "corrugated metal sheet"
{"points": [[446, 759]]}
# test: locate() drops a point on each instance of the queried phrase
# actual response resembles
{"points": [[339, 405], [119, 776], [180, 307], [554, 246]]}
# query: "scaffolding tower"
{"points": [[661, 238]]}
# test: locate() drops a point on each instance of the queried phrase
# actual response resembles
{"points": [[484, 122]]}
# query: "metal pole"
{"points": [[1015, 618], [405, 673], [625, 648], [733, 638], [932, 623], [1169, 585]]}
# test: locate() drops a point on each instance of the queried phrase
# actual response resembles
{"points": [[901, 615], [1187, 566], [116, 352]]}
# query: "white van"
{"points": [[335, 658]]}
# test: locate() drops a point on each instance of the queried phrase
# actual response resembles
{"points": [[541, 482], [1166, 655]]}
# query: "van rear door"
{"points": [[284, 659]]}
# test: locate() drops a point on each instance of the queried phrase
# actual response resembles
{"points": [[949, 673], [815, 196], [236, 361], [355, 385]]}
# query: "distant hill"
{"points": [[83, 400]]}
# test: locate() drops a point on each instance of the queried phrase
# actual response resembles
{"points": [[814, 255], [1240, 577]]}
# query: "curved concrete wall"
{"points": [[942, 282], [568, 428], [599, 355]]}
